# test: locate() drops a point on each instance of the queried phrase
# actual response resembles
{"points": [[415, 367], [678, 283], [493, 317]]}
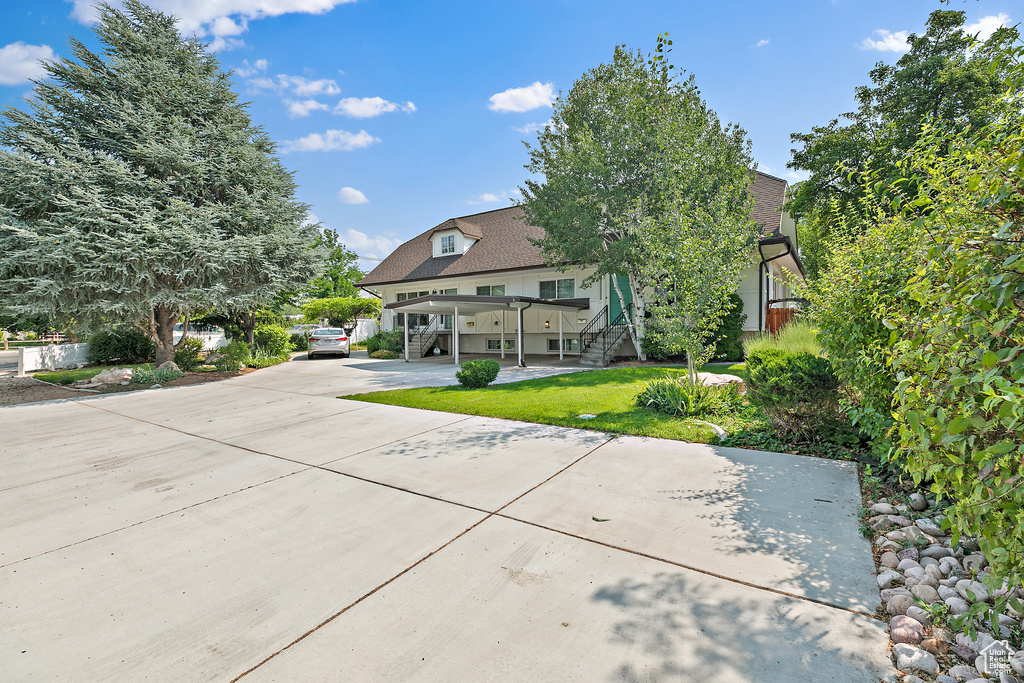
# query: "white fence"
{"points": [[52, 357], [364, 329], [211, 340]]}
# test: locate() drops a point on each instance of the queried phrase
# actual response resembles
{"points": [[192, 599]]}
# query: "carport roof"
{"points": [[469, 304]]}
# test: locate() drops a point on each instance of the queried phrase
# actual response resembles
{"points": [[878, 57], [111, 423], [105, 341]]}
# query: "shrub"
{"points": [[233, 357], [384, 354], [271, 339], [262, 359], [189, 355], [730, 331], [798, 391], [147, 375], [389, 341], [477, 373], [679, 396], [299, 341], [61, 378], [124, 345]]}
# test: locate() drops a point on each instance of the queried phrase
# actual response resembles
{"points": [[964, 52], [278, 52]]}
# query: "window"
{"points": [[570, 344], [495, 345], [448, 244], [558, 289], [491, 290]]}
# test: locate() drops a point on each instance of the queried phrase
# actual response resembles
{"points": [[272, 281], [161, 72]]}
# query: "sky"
{"points": [[395, 115]]}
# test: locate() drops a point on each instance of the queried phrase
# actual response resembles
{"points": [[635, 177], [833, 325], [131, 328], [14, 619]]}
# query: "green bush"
{"points": [[797, 337], [384, 354], [729, 335], [477, 373], [262, 359], [61, 378], [679, 396], [299, 341], [798, 391], [147, 375], [233, 357], [121, 345], [189, 355], [389, 341], [271, 339]]}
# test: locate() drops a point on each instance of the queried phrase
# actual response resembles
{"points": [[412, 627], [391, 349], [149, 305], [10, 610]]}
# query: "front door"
{"points": [[614, 305]]}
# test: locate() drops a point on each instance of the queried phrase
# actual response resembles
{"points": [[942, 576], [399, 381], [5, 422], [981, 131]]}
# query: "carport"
{"points": [[467, 304]]}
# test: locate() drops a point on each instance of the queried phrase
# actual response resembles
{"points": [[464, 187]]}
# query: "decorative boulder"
{"points": [[169, 365]]}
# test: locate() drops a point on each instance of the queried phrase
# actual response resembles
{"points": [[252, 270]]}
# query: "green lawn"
{"points": [[69, 376], [560, 400]]}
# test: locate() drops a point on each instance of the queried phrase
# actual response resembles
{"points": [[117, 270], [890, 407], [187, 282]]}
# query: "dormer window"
{"points": [[448, 244]]}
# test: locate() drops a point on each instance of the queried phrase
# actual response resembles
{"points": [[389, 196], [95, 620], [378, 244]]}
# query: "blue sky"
{"points": [[396, 115]]}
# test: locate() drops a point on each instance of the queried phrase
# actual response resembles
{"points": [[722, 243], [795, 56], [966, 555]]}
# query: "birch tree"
{"points": [[135, 188], [630, 144]]}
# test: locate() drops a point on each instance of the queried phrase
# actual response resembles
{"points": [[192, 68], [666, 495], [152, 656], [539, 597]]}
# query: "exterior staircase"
{"points": [[600, 340]]}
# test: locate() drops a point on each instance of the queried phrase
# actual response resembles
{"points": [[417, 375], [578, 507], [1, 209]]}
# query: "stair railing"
{"points": [[427, 335], [613, 333], [593, 330]]}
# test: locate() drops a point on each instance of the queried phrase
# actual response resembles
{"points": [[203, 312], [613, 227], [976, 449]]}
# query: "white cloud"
{"points": [[331, 141], [296, 85], [260, 65], [523, 99], [887, 42], [19, 62], [351, 195], [798, 176], [491, 197], [218, 18], [298, 109], [986, 26], [533, 127], [368, 107], [762, 42], [369, 245]]}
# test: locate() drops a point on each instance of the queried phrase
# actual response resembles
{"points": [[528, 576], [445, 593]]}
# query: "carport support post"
{"points": [[561, 343], [405, 325], [456, 340], [503, 334], [522, 361]]}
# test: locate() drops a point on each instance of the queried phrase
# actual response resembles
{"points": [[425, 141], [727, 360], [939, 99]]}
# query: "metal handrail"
{"points": [[613, 333], [588, 335], [427, 335]]}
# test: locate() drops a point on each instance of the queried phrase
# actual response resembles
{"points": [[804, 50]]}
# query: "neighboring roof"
{"points": [[503, 241]]}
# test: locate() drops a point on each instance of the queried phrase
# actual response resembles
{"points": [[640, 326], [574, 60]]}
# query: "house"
{"points": [[476, 284]]}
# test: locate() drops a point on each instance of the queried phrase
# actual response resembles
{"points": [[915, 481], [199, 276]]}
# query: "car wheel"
{"points": [[309, 356], [344, 355]]}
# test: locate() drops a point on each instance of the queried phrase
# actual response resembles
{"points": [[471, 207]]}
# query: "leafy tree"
{"points": [[944, 78], [341, 311], [136, 189], [633, 160], [340, 270]]}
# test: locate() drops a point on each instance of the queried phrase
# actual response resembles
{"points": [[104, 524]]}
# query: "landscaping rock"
{"points": [[946, 592], [929, 527], [910, 658], [113, 376], [977, 644], [1007, 678], [889, 559], [918, 614], [1017, 662], [936, 552], [963, 672], [884, 509], [974, 563], [925, 594], [936, 646], [908, 552], [956, 605], [978, 589], [918, 502], [899, 604], [915, 535], [715, 380], [907, 564], [888, 577], [911, 678], [889, 592], [964, 653], [899, 520], [169, 365], [903, 629], [943, 678]]}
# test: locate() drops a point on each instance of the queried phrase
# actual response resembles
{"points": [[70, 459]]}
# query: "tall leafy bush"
{"points": [[271, 339], [120, 345], [798, 391]]}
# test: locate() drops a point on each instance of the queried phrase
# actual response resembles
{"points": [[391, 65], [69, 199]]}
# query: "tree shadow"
{"points": [[682, 626]]}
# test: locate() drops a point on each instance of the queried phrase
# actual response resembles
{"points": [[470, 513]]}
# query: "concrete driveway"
{"points": [[261, 529]]}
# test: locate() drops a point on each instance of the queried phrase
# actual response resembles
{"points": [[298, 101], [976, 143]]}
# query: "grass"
{"points": [[69, 376], [609, 395], [797, 337]]}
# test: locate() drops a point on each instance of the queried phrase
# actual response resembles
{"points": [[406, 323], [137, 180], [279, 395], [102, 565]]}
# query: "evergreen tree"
{"points": [[136, 189]]}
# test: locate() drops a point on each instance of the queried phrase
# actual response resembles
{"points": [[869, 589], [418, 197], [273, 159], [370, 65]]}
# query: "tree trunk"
{"points": [[162, 323]]}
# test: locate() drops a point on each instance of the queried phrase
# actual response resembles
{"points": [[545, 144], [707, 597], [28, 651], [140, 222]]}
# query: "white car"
{"points": [[328, 341]]}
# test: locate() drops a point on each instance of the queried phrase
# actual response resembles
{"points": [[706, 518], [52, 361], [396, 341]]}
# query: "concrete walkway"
{"points": [[261, 529]]}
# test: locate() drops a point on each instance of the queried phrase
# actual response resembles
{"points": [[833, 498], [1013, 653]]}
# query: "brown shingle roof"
{"points": [[503, 241]]}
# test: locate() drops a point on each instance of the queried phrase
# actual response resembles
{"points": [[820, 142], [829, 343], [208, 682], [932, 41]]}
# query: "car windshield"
{"points": [[328, 332]]}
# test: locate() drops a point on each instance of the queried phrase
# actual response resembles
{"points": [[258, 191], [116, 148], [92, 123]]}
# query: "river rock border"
{"points": [[920, 573]]}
